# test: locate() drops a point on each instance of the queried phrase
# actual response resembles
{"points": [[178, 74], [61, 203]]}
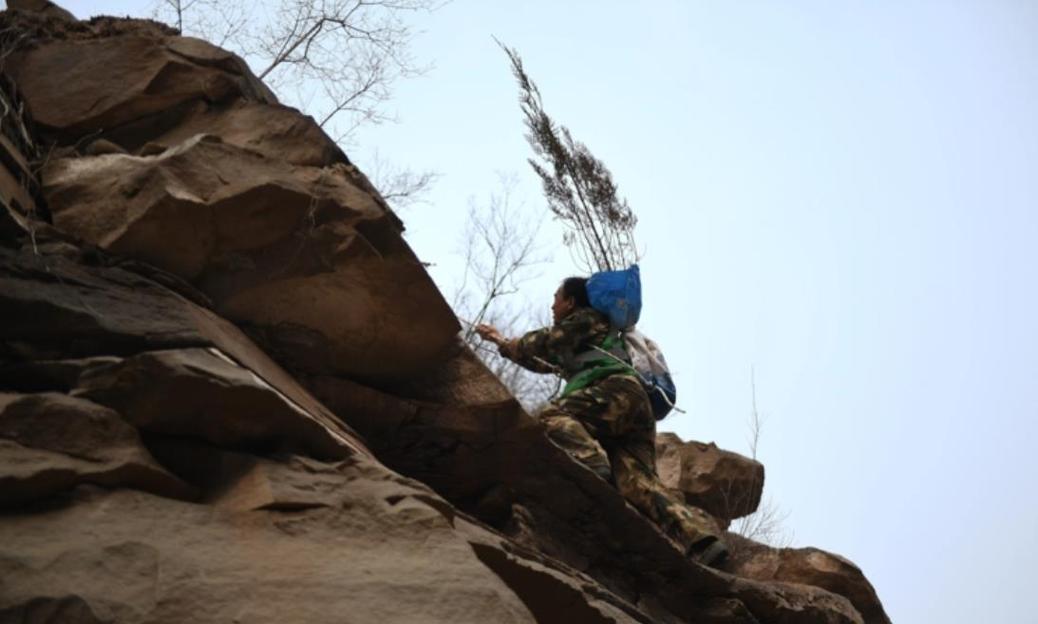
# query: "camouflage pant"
{"points": [[609, 427]]}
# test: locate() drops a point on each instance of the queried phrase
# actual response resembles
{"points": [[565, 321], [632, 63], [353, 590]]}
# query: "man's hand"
{"points": [[489, 332]]}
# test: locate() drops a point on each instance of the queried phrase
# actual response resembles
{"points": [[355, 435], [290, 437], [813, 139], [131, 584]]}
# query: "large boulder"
{"points": [[724, 484], [178, 156], [83, 82], [312, 260]]}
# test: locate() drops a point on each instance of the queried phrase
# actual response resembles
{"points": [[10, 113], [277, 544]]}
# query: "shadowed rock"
{"points": [[204, 394], [52, 442], [56, 306]]}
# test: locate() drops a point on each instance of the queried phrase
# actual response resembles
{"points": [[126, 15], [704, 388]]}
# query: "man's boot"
{"points": [[709, 551]]}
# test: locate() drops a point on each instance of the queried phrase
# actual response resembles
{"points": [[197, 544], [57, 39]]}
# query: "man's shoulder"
{"points": [[587, 320], [589, 315]]}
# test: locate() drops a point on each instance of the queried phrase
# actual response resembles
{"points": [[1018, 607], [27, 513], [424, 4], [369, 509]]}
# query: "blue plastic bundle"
{"points": [[618, 295]]}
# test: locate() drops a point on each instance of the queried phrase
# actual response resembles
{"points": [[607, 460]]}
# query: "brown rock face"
{"points": [[808, 566], [301, 252], [725, 484], [77, 86], [219, 359], [245, 198], [374, 550]]}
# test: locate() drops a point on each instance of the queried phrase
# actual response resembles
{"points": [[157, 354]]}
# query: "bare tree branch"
{"points": [[400, 186], [501, 254], [354, 49]]}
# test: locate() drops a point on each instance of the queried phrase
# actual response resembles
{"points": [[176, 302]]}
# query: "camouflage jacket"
{"points": [[552, 349]]}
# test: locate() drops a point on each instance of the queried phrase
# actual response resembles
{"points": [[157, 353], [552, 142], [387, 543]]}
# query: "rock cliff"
{"points": [[229, 391]]}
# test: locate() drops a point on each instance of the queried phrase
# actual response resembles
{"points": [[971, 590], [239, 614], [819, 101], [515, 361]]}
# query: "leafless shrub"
{"points": [[336, 59], [221, 22], [400, 186], [767, 524], [501, 250]]}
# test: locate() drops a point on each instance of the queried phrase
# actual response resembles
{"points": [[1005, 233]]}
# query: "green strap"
{"points": [[599, 367], [590, 375]]}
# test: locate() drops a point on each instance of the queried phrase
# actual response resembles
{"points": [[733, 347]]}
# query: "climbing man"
{"points": [[603, 418]]}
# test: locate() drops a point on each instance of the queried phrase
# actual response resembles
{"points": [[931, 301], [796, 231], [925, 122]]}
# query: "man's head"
{"points": [[571, 295]]}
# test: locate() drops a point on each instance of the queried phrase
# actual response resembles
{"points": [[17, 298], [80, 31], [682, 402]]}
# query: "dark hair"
{"points": [[576, 288]]}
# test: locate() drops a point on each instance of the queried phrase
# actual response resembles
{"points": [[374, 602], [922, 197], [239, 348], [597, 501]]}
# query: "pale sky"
{"points": [[841, 195]]}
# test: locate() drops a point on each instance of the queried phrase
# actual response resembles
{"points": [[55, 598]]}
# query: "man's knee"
{"points": [[570, 434], [634, 482]]}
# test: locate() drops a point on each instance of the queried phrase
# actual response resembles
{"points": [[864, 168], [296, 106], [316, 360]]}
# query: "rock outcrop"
{"points": [[807, 566], [229, 391], [724, 484]]}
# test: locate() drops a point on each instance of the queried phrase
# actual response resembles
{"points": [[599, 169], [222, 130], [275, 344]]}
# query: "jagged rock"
{"points": [[808, 566], [77, 86], [51, 442], [725, 484], [310, 259]]}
